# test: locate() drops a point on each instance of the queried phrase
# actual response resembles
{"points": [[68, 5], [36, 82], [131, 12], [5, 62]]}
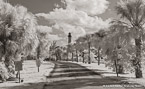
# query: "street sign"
{"points": [[38, 62], [18, 66]]}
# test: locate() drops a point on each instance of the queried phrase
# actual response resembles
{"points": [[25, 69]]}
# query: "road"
{"points": [[67, 75]]}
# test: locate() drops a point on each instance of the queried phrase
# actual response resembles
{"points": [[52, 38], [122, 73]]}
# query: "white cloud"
{"points": [[76, 31], [70, 20], [76, 17], [45, 29], [48, 36], [53, 37], [91, 7]]}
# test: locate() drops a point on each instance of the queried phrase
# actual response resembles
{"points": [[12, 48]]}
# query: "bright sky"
{"points": [[85, 16]]}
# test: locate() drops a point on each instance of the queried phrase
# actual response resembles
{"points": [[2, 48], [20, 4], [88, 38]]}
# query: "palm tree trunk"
{"points": [[60, 57], [77, 55], [137, 62], [56, 56], [38, 69], [120, 69], [99, 56], [89, 61], [116, 69], [83, 58], [72, 56], [67, 57]]}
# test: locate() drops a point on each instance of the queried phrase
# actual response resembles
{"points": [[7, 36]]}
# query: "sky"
{"points": [[79, 17], [45, 6]]}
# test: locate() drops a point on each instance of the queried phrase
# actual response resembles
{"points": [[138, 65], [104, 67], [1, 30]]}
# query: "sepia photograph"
{"points": [[72, 44]]}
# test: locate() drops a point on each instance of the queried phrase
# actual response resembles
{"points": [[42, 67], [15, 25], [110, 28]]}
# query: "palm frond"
{"points": [[132, 10]]}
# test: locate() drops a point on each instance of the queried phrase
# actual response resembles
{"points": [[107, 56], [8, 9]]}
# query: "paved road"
{"points": [[68, 75]]}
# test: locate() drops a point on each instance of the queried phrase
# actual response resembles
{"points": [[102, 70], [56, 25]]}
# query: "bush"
{"points": [[3, 72]]}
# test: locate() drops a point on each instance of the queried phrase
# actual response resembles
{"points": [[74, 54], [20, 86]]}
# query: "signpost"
{"points": [[18, 67], [38, 63]]}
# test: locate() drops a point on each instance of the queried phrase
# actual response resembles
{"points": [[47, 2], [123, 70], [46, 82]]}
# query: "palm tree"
{"points": [[86, 43], [52, 50], [97, 42], [58, 53], [44, 43], [114, 45], [17, 33], [133, 12]]}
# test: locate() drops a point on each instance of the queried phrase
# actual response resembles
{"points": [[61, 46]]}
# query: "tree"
{"points": [[133, 12], [81, 45], [43, 33], [88, 39], [52, 50], [58, 53], [119, 48], [97, 42], [17, 33], [72, 50]]}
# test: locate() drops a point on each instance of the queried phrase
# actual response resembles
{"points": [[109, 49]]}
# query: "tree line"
{"points": [[20, 36]]}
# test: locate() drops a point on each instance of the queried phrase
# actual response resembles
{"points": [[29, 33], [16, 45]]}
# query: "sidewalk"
{"points": [[32, 78], [106, 72]]}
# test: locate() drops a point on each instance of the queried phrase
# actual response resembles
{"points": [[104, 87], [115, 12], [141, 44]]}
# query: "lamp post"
{"points": [[69, 41]]}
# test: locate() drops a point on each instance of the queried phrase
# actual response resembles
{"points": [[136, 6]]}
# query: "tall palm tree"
{"points": [[97, 42], [86, 42], [133, 14]]}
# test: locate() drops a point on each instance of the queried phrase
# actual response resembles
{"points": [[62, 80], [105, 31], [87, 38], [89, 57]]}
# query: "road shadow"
{"points": [[70, 70], [68, 75], [83, 82]]}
